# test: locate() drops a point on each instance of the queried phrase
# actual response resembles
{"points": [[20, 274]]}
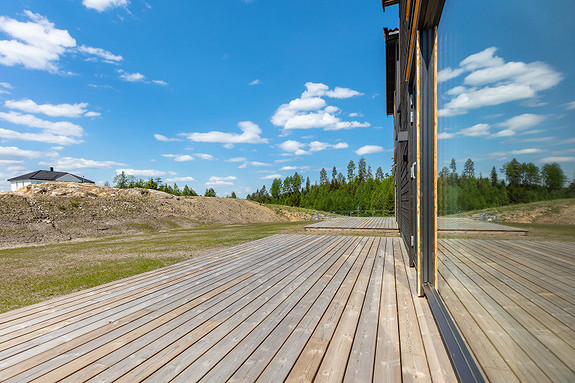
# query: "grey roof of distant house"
{"points": [[47, 175]]}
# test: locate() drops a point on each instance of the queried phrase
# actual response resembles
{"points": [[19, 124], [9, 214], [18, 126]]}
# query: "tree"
{"points": [[512, 171], [530, 174], [186, 190], [333, 174], [151, 184], [469, 169], [233, 195], [276, 188], [350, 171], [493, 176], [361, 170], [176, 190], [210, 193], [369, 173], [379, 174], [453, 166], [323, 177], [121, 180], [553, 176]]}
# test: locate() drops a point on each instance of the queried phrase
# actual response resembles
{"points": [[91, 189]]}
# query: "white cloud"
{"points": [[558, 159], [342, 93], [354, 114], [311, 111], [59, 128], [292, 146], [70, 163], [519, 123], [38, 137], [181, 179], [4, 86], [447, 74], [570, 105], [476, 130], [482, 59], [204, 156], [523, 121], [179, 157], [131, 77], [250, 135], [257, 163], [314, 90], [445, 135], [142, 172], [12, 152], [221, 181], [162, 138], [101, 53], [368, 149], [52, 110], [494, 82], [11, 162], [255, 82], [287, 168], [271, 176], [526, 151], [456, 90], [237, 159], [102, 5], [138, 77], [35, 44], [298, 148]]}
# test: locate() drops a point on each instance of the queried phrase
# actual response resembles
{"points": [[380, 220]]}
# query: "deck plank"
{"points": [[285, 308]]}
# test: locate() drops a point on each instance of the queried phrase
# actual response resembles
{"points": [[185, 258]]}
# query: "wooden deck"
{"points": [[514, 302], [378, 224], [284, 308], [389, 225]]}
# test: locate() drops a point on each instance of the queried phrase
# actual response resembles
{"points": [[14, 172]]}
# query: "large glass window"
{"points": [[506, 195]]}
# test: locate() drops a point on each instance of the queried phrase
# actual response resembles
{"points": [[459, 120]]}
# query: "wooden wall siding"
{"points": [[514, 302], [284, 308]]}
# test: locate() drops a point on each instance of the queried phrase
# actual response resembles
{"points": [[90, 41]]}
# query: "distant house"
{"points": [[41, 176]]}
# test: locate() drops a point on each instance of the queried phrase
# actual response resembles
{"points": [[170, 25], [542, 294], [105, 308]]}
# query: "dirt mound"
{"points": [[550, 213], [61, 211]]}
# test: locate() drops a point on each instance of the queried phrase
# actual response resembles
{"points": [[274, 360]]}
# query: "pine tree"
{"points": [[361, 171], [350, 171], [323, 177], [379, 174], [493, 176]]}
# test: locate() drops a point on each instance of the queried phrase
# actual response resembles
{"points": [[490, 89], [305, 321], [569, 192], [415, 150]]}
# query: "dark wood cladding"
{"points": [[391, 43]]}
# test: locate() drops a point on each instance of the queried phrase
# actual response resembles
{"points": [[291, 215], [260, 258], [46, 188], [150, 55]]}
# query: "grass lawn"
{"points": [[33, 274]]}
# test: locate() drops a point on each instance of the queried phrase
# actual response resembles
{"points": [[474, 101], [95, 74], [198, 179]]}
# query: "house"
{"points": [[41, 176]]}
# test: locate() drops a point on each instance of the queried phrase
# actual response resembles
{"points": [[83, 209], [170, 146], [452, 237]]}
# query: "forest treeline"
{"points": [[125, 181], [522, 182], [360, 191]]}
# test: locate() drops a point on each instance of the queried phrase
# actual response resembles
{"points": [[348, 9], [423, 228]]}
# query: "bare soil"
{"points": [[55, 212]]}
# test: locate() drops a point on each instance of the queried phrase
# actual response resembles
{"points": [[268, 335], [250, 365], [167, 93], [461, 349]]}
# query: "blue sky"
{"points": [[223, 94], [230, 94], [506, 84]]}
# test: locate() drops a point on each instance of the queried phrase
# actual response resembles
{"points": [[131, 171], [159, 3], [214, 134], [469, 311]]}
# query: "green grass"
{"points": [[33, 274]]}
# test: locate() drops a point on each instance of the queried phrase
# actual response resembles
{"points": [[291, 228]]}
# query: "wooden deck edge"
{"points": [[464, 364], [353, 230]]}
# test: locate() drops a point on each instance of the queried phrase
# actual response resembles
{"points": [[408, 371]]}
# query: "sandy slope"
{"points": [[60, 211]]}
